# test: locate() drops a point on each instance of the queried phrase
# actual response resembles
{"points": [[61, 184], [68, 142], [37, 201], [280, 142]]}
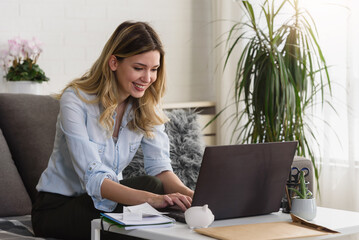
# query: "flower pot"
{"points": [[304, 208], [28, 87]]}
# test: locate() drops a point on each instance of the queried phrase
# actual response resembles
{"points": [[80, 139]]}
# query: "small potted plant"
{"points": [[303, 203], [22, 73]]}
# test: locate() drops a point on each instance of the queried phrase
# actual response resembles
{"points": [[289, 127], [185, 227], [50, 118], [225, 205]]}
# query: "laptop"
{"points": [[242, 180]]}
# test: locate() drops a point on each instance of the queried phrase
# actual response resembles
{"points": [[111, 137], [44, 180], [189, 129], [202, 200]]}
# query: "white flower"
{"points": [[15, 48], [5, 59], [32, 48]]}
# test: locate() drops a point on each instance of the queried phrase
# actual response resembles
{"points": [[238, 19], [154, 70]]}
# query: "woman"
{"points": [[104, 117]]}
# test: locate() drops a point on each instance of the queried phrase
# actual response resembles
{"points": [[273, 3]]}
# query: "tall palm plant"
{"points": [[280, 72]]}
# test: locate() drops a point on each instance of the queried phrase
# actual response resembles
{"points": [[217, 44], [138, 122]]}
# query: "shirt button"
{"points": [[90, 168]]}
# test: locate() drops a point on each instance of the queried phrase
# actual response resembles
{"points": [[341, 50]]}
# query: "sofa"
{"points": [[27, 131]]}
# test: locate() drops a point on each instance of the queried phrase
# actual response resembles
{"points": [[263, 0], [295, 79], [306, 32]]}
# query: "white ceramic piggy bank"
{"points": [[199, 217]]}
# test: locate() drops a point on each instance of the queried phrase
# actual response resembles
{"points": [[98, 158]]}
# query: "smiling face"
{"points": [[136, 73]]}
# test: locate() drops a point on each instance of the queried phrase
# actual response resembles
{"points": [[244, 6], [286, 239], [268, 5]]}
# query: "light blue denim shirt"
{"points": [[85, 154]]}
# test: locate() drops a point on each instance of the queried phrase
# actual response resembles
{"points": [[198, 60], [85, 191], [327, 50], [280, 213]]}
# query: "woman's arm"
{"points": [[122, 194], [172, 184], [179, 193]]}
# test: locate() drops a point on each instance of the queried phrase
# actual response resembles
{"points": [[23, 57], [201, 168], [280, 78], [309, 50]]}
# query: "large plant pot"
{"points": [[304, 208], [28, 87]]}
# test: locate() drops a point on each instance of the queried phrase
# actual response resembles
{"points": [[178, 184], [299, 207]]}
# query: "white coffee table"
{"points": [[345, 222]]}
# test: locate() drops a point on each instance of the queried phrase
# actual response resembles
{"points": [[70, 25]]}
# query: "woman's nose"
{"points": [[146, 77]]}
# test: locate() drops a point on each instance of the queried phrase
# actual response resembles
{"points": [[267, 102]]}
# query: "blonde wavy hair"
{"points": [[129, 39]]}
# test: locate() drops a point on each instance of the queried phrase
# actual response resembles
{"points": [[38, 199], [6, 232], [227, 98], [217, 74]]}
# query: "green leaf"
{"points": [[26, 71], [279, 72]]}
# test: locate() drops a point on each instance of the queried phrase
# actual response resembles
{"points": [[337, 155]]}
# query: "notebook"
{"points": [[242, 180]]}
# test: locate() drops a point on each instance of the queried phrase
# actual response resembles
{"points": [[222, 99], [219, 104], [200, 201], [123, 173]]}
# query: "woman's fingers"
{"points": [[180, 200], [168, 199], [189, 199], [180, 204], [185, 200]]}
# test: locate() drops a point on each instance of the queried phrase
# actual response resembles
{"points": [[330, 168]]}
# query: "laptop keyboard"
{"points": [[177, 215]]}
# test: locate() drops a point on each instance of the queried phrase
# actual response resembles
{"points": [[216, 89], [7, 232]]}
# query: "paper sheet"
{"points": [[140, 216], [136, 212], [145, 209]]}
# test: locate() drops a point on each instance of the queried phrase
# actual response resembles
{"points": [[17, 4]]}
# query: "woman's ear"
{"points": [[112, 63]]}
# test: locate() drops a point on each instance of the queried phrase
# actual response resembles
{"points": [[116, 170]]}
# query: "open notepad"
{"points": [[139, 216]]}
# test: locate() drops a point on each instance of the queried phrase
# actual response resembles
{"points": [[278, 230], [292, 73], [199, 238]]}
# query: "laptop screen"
{"points": [[244, 180]]}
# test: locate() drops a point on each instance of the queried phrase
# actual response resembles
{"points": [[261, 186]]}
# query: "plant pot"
{"points": [[28, 87], [304, 208]]}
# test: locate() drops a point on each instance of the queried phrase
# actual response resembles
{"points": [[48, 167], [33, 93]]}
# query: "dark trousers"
{"points": [[63, 217]]}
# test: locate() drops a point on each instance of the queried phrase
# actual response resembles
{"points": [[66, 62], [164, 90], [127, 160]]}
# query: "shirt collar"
{"points": [[128, 115]]}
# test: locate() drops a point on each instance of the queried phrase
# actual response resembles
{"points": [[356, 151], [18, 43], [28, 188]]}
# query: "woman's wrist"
{"points": [[188, 192], [150, 198]]}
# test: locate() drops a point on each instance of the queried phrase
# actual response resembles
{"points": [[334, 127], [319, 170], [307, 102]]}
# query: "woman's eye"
{"points": [[154, 70], [137, 68]]}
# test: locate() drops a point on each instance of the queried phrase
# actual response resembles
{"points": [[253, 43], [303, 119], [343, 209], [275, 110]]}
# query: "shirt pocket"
{"points": [[96, 133]]}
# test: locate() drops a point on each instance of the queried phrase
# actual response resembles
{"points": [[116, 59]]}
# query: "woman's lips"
{"points": [[139, 87]]}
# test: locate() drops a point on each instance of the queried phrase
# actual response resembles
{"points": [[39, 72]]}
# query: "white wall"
{"points": [[74, 32]]}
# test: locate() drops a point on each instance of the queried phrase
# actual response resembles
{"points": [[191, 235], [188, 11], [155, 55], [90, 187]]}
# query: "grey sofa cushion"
{"points": [[186, 147], [28, 124], [13, 198]]}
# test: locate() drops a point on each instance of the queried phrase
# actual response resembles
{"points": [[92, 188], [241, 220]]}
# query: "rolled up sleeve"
{"points": [[156, 152], [84, 153]]}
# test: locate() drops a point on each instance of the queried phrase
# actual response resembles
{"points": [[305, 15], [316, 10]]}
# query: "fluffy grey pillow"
{"points": [[186, 147]]}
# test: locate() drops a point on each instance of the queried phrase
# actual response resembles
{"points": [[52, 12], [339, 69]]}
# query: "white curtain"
{"points": [[224, 14], [337, 23]]}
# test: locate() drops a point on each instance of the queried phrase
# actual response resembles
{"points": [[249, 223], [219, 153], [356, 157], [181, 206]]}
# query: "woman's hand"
{"points": [[172, 199]]}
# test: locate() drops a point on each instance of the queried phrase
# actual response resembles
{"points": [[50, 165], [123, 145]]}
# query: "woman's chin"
{"points": [[138, 94]]}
